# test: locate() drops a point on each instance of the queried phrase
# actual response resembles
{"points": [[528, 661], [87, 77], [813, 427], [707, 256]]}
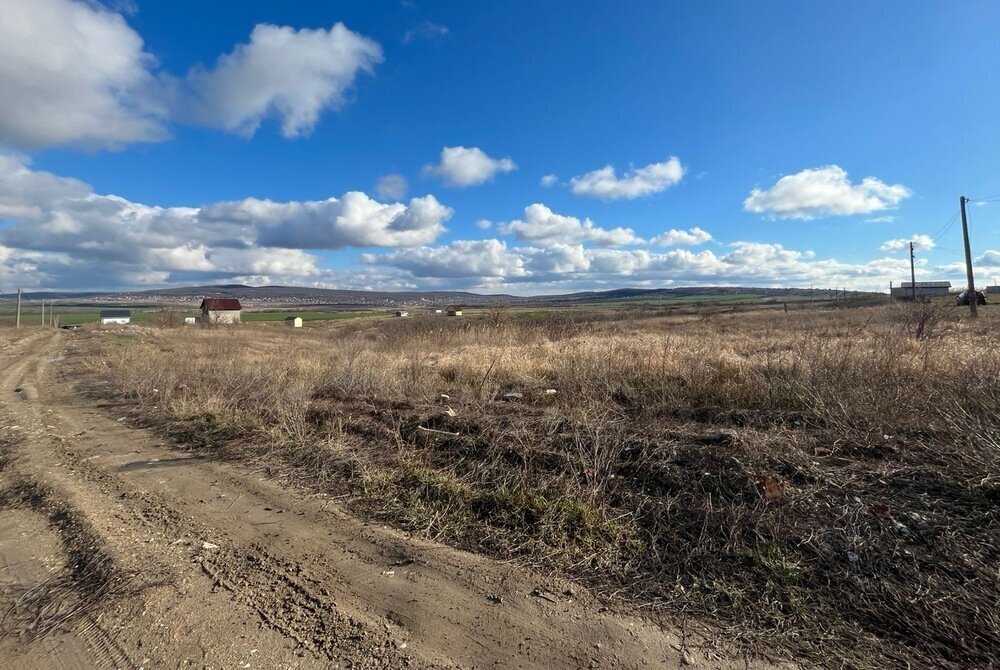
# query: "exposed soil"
{"points": [[118, 550]]}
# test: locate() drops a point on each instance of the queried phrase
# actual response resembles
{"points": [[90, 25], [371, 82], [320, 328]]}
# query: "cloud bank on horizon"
{"points": [[65, 234], [75, 75]]}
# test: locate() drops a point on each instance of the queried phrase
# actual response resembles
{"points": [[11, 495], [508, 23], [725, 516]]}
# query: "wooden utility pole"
{"points": [[913, 276], [973, 306], [17, 319], [43, 312]]}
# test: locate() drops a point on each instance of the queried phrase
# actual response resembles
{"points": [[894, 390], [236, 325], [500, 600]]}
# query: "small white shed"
{"points": [[402, 312], [118, 316], [293, 321], [190, 320]]}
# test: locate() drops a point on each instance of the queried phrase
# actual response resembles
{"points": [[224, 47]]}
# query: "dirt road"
{"points": [[118, 550]]}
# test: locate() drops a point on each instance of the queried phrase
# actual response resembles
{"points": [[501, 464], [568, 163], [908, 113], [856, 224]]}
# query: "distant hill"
{"points": [[305, 296], [642, 293], [323, 295]]}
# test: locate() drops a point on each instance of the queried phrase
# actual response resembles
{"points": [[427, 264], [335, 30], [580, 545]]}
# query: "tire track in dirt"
{"points": [[43, 552], [225, 551], [160, 626]]}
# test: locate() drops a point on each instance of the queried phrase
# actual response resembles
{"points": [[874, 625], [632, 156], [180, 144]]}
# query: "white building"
{"points": [[402, 312], [293, 321], [924, 289], [118, 316], [220, 310]]}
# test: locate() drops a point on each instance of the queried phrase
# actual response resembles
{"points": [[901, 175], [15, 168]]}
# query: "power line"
{"points": [[945, 228]]}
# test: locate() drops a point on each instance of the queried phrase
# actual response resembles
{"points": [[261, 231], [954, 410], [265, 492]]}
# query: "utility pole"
{"points": [[43, 312], [17, 319], [913, 276], [973, 307]]}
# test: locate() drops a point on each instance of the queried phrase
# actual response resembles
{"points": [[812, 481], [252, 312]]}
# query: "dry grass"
{"points": [[822, 483], [11, 336]]}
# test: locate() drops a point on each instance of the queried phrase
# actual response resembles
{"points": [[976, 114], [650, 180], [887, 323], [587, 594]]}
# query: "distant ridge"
{"points": [[304, 295]]}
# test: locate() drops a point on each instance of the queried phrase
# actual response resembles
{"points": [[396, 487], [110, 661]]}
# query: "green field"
{"points": [[31, 315], [86, 314]]}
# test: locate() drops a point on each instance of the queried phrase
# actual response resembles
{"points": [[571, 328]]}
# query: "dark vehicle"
{"points": [[70, 326], [963, 298]]}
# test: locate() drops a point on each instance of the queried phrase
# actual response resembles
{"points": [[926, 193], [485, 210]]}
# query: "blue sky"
{"points": [[393, 145]]}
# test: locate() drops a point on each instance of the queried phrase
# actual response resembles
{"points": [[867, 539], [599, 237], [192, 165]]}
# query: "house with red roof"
{"points": [[220, 310]]}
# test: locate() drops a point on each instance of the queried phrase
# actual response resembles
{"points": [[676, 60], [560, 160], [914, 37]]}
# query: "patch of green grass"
{"points": [[31, 315]]}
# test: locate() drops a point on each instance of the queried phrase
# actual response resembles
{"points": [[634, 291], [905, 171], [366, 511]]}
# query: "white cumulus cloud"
{"points": [[674, 237], [604, 183], [990, 258], [823, 191], [549, 180], [72, 236], [292, 75], [902, 244], [462, 258], [468, 166], [562, 267], [74, 73], [543, 226], [354, 220]]}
